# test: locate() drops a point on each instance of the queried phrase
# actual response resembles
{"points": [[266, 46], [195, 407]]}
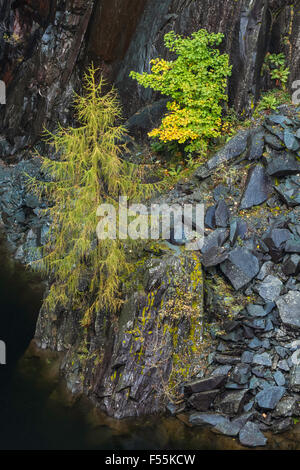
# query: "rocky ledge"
{"points": [[240, 374], [252, 191]]}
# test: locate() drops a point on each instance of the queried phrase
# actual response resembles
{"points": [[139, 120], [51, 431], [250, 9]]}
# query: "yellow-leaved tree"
{"points": [[87, 171], [196, 82]]}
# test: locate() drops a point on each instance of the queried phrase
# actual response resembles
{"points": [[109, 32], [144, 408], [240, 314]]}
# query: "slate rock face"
{"points": [[289, 308], [258, 188], [240, 267]]}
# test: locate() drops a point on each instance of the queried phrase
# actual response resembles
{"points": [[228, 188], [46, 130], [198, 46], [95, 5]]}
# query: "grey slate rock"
{"points": [[240, 267], [289, 308], [286, 407], [233, 427], [273, 141], [256, 310], [295, 378], [247, 357], [233, 149], [278, 119], [290, 141], [222, 214], [200, 419], [241, 374], [203, 385], [283, 365], [215, 239], [232, 403], [256, 147], [292, 246], [238, 229], [257, 188], [214, 256], [279, 378], [263, 359], [269, 397], [291, 265], [251, 436], [210, 217], [222, 370], [282, 425], [203, 400], [270, 289], [283, 164]]}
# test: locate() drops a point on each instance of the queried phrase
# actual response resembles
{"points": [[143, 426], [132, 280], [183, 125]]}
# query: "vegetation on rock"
{"points": [[89, 171], [196, 82]]}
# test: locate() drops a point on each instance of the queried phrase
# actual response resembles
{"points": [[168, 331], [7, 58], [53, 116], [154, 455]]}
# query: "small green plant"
{"points": [[89, 171], [196, 83], [275, 64], [271, 100]]}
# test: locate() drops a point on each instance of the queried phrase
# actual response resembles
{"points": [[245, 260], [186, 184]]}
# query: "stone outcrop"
{"points": [[45, 46], [133, 364]]}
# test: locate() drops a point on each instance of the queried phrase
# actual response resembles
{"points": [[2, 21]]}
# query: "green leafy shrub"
{"points": [[89, 172], [196, 82], [271, 100], [275, 64]]}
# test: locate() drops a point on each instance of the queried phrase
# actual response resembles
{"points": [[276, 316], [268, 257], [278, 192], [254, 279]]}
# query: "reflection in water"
{"points": [[35, 411]]}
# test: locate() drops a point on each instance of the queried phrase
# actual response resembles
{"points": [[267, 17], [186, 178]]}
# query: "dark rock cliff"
{"points": [[45, 45]]}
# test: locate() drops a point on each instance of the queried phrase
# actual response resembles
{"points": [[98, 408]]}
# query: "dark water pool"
{"points": [[37, 414]]}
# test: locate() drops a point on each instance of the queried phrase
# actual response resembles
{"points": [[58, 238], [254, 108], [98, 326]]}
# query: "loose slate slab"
{"points": [[273, 142], [295, 379], [256, 310], [222, 214], [291, 265], [238, 229], [200, 419], [203, 385], [290, 141], [283, 164], [251, 436], [269, 397], [233, 402], [257, 145], [263, 359], [240, 267], [214, 256], [215, 239], [202, 401], [270, 289], [233, 149], [289, 308], [257, 189]]}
